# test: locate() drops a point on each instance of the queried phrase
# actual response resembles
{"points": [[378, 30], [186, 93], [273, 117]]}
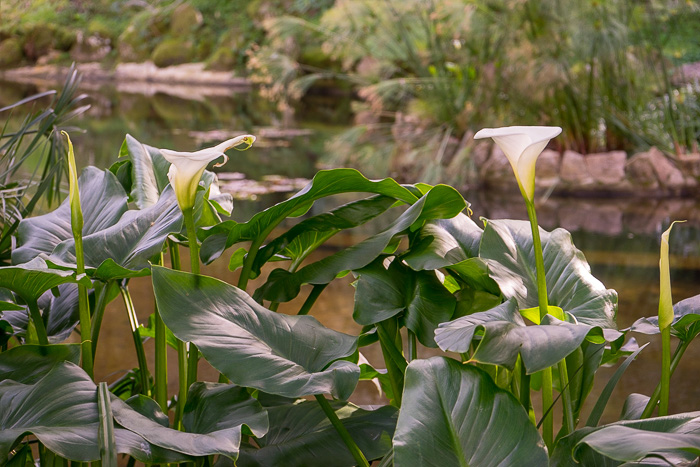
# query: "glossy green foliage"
{"points": [[454, 415], [504, 336], [292, 356], [507, 247], [300, 435]]}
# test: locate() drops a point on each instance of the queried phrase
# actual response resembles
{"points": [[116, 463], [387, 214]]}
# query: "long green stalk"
{"points": [[248, 262], [342, 431], [76, 222], [547, 391], [311, 299], [161, 359], [99, 313], [38, 322], [654, 399], [181, 349], [161, 363], [412, 346], [193, 357], [136, 335], [665, 371]]}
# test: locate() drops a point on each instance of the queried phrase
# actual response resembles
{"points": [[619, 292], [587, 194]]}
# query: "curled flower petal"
{"points": [[187, 167], [522, 145]]}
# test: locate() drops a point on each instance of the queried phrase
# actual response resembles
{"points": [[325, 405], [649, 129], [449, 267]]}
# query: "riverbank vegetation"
{"points": [[426, 75]]}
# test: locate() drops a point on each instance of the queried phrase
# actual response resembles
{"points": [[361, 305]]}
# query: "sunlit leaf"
{"points": [[505, 336], [103, 203], [507, 247]]}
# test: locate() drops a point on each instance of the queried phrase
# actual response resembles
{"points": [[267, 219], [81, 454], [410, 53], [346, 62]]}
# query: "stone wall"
{"points": [[649, 173]]}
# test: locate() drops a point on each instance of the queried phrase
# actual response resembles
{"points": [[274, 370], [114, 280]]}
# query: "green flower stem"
{"points": [[181, 349], [138, 343], [83, 307], [161, 391], [547, 402], [249, 260], [311, 299], [524, 389], [654, 399], [539, 260], [544, 307], [161, 364], [192, 239], [342, 431], [38, 322], [412, 346], [183, 386], [193, 358], [98, 314], [665, 370], [566, 397]]}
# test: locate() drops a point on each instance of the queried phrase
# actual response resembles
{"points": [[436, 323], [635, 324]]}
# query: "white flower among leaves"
{"points": [[187, 167], [522, 145]]}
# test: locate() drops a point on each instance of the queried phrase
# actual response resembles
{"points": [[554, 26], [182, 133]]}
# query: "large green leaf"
{"points": [[301, 435], [221, 440], [149, 171], [214, 407], [308, 234], [440, 202], [30, 280], [444, 242], [291, 356], [103, 201], [675, 437], [60, 409], [29, 363], [325, 183], [505, 336], [125, 248], [454, 415], [382, 293], [507, 247]]}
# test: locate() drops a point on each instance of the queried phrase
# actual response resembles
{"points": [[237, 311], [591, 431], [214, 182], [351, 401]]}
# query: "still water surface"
{"points": [[620, 237]]}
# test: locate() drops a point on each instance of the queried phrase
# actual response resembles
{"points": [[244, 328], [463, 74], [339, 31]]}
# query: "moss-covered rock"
{"points": [[172, 52], [223, 59], [185, 19], [138, 40], [10, 53], [41, 38], [37, 41]]}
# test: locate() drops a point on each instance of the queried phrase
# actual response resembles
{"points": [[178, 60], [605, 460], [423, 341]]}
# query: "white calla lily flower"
{"points": [[522, 145], [187, 167]]}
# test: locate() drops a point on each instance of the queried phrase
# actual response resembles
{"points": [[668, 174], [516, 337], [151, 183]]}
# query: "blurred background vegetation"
{"points": [[423, 75]]}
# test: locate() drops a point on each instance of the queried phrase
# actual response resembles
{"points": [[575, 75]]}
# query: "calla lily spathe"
{"points": [[187, 167], [522, 145]]}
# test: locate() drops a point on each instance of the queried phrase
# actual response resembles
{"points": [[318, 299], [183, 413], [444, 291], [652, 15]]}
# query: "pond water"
{"points": [[619, 237]]}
